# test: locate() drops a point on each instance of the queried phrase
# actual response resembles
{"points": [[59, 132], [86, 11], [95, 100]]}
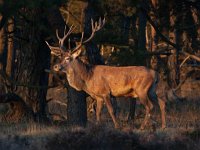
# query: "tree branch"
{"points": [[3, 22], [158, 31], [192, 56]]}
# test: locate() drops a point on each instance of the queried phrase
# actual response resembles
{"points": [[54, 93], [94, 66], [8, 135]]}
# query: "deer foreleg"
{"points": [[111, 111], [98, 109]]}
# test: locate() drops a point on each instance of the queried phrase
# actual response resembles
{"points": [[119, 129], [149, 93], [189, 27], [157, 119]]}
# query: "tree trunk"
{"points": [[10, 48], [142, 34], [32, 58], [153, 32], [2, 48], [76, 107], [76, 102], [92, 50], [2, 56]]}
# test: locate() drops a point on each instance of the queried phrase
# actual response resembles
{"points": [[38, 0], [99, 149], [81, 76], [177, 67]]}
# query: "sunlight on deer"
{"points": [[101, 82]]}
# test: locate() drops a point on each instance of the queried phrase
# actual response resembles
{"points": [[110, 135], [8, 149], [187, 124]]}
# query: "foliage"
{"points": [[10, 8]]}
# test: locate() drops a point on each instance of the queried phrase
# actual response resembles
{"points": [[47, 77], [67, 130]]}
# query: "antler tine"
{"points": [[69, 43], [92, 24], [104, 20], [54, 50], [81, 42], [71, 29], [47, 43], [95, 27], [58, 37], [65, 30], [82, 37], [62, 40], [51, 47]]}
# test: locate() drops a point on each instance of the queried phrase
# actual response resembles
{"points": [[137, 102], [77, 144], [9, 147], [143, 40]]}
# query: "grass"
{"points": [[29, 136], [183, 132]]}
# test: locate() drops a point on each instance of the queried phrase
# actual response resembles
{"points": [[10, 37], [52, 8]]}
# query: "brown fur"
{"points": [[100, 82]]}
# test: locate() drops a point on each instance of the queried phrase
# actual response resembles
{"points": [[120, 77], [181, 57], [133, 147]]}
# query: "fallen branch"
{"points": [[184, 61], [192, 56]]}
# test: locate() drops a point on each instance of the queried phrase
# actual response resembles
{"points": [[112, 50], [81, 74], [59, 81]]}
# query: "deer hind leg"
{"points": [[161, 102], [163, 113], [148, 107], [111, 111]]}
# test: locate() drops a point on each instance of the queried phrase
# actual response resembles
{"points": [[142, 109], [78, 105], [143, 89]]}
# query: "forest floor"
{"points": [[182, 132]]}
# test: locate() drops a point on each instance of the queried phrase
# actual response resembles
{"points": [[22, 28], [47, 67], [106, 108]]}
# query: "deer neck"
{"points": [[78, 74]]}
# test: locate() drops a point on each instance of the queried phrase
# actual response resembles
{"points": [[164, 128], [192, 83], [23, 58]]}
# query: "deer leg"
{"points": [[111, 111], [163, 113], [98, 109]]}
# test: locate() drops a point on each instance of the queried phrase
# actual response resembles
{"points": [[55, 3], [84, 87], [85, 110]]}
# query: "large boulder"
{"points": [[57, 103]]}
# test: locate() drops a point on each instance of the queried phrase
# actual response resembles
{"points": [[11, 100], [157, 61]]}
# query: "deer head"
{"points": [[68, 58], [69, 55]]}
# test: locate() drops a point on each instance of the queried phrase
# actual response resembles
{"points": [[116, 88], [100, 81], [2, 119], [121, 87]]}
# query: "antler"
{"points": [[54, 50], [96, 26], [62, 40], [57, 51]]}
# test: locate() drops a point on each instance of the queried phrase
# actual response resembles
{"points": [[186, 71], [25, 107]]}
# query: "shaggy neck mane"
{"points": [[84, 70]]}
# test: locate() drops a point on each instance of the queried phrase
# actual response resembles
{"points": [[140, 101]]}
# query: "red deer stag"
{"points": [[101, 81]]}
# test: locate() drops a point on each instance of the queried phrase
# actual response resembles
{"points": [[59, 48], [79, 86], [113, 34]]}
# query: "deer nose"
{"points": [[57, 67]]}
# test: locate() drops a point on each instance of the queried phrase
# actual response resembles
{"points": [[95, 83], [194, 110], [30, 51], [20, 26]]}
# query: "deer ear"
{"points": [[76, 53]]}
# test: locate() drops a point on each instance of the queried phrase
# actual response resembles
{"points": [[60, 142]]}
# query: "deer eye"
{"points": [[67, 59]]}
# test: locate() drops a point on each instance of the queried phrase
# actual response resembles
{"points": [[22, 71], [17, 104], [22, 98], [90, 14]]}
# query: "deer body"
{"points": [[100, 82], [104, 80]]}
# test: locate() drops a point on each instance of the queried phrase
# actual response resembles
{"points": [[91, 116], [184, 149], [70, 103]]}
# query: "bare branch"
{"points": [[158, 31], [184, 61], [192, 56]]}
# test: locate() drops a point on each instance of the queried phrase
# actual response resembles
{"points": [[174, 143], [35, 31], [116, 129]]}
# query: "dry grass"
{"points": [[183, 132]]}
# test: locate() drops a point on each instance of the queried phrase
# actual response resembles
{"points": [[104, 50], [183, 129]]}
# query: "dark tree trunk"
{"points": [[76, 107], [142, 34], [10, 51], [2, 48], [76, 102], [92, 50], [32, 58], [2, 57], [126, 28], [142, 30]]}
